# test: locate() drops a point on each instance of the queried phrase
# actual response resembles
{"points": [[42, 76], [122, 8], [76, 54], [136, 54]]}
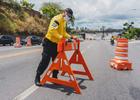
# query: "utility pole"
{"points": [[103, 31]]}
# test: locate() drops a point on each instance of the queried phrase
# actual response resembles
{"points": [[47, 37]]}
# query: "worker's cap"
{"points": [[69, 12]]}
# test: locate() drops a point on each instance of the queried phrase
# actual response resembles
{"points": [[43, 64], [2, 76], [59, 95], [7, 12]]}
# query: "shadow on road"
{"points": [[135, 93], [66, 89]]}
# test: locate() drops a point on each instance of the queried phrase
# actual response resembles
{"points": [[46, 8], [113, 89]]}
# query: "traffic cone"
{"points": [[17, 44], [120, 61], [29, 41]]}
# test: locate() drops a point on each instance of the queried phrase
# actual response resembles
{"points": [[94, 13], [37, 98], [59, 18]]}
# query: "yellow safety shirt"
{"points": [[57, 29]]}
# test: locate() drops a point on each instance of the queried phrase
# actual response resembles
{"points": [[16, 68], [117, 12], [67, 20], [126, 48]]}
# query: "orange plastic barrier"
{"points": [[120, 61], [29, 42], [17, 44], [62, 64]]}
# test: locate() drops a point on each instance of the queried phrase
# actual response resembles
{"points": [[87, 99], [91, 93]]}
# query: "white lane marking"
{"points": [[26, 93], [33, 88]]}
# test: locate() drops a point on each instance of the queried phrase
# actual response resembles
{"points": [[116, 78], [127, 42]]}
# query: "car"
{"points": [[6, 39], [34, 40]]}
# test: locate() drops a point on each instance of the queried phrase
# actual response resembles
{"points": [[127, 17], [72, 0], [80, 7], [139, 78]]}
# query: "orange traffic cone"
{"points": [[17, 44], [120, 61], [29, 41]]}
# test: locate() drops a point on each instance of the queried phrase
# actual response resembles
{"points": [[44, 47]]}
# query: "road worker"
{"points": [[56, 31], [112, 40]]}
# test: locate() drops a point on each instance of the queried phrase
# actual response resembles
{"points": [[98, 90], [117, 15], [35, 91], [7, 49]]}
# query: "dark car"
{"points": [[34, 40], [6, 39]]}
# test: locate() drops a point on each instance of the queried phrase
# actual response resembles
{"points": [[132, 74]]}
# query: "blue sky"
{"points": [[97, 13]]}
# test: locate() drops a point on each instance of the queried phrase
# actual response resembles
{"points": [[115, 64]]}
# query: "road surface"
{"points": [[18, 67]]}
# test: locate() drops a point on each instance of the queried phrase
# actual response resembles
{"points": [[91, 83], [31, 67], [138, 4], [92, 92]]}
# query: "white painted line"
{"points": [[26, 93]]}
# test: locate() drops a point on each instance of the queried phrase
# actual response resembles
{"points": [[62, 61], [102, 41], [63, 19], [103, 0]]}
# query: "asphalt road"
{"points": [[18, 66]]}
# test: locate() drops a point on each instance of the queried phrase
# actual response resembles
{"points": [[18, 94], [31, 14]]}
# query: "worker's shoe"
{"points": [[37, 80], [38, 84]]}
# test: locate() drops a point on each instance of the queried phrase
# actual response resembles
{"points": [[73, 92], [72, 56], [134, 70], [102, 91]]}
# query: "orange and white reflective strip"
{"points": [[77, 58], [121, 51], [61, 63], [49, 73], [119, 44], [56, 60], [121, 58], [122, 40], [71, 77], [122, 48], [66, 63], [121, 55]]}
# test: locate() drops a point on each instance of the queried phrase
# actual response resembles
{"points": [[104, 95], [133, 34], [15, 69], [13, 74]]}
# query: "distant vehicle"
{"points": [[34, 40], [6, 39]]}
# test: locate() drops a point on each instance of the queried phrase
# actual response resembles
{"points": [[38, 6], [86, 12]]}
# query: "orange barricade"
{"points": [[17, 44], [120, 61], [62, 64], [29, 41]]}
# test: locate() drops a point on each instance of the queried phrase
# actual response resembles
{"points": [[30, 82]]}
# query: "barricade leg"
{"points": [[77, 58]]}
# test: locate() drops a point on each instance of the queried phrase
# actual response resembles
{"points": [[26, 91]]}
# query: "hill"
{"points": [[15, 19]]}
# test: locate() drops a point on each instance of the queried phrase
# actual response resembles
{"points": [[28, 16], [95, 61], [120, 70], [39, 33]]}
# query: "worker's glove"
{"points": [[73, 37], [69, 40]]}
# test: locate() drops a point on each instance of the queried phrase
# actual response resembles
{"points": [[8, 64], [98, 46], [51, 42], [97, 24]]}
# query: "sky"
{"points": [[97, 13]]}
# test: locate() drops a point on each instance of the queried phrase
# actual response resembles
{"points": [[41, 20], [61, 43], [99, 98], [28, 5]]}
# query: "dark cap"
{"points": [[69, 12]]}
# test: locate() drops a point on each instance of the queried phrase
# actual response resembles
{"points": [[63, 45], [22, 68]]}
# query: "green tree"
{"points": [[137, 32], [8, 1], [6, 24], [129, 30], [25, 3], [51, 9]]}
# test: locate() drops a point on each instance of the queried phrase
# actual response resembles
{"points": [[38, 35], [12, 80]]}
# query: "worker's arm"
{"points": [[66, 35], [54, 29]]}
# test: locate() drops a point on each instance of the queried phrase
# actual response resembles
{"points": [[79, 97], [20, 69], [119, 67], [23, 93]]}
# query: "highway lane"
{"points": [[17, 69], [17, 73]]}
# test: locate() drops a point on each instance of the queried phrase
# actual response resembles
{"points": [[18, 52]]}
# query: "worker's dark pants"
{"points": [[49, 52]]}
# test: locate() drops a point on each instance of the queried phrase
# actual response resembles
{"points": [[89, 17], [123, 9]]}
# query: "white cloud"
{"points": [[93, 13]]}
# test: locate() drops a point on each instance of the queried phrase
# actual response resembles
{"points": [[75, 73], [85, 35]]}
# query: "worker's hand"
{"points": [[69, 40], [73, 37]]}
